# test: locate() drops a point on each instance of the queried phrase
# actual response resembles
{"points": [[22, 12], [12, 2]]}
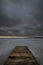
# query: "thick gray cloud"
{"points": [[22, 14]]}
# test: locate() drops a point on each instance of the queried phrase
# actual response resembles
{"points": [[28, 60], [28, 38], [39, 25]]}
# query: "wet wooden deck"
{"points": [[21, 55]]}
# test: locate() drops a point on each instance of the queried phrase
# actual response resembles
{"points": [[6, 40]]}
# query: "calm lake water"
{"points": [[35, 45]]}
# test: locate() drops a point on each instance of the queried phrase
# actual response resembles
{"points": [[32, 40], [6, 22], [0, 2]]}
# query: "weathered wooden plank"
{"points": [[20, 49]]}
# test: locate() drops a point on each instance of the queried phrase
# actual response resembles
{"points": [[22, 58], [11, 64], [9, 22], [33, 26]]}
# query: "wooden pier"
{"points": [[21, 55]]}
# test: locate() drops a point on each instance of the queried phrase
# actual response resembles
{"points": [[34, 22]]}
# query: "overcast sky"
{"points": [[21, 13]]}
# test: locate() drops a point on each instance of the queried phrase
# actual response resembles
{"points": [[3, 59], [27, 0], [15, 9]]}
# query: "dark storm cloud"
{"points": [[21, 14]]}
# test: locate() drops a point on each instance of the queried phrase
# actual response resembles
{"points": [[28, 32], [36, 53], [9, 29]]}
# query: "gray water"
{"points": [[35, 45]]}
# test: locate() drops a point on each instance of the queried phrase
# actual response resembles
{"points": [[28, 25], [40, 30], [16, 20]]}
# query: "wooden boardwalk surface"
{"points": [[21, 55]]}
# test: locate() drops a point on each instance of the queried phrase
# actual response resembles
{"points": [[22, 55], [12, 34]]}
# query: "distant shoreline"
{"points": [[28, 37]]}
